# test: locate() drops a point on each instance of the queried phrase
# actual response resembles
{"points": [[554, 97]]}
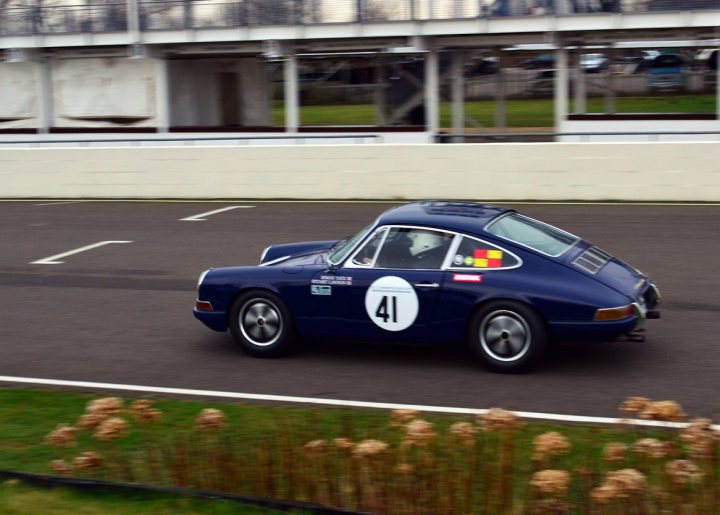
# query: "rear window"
{"points": [[533, 234]]}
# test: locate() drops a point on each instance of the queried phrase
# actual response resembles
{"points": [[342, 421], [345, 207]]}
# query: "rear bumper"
{"points": [[215, 320], [595, 331]]}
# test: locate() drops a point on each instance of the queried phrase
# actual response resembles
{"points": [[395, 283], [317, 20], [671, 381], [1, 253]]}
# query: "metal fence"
{"points": [[20, 17]]}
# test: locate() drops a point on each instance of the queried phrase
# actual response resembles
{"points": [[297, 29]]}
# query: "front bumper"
{"points": [[215, 320]]}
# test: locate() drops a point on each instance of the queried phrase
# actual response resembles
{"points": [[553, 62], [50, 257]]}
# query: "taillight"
{"points": [[604, 315], [203, 305]]}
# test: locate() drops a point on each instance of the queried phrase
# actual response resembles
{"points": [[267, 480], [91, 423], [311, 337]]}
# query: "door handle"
{"points": [[427, 285]]}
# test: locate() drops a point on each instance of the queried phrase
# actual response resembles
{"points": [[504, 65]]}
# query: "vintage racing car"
{"points": [[433, 271]]}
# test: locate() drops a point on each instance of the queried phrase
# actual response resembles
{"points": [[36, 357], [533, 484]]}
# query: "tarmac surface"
{"points": [[122, 313]]}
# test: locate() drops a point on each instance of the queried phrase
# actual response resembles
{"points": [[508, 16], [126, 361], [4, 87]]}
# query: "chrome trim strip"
{"points": [[278, 260]]}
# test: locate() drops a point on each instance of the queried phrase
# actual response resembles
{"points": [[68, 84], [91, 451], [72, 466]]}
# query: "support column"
{"points": [[133, 20], [432, 92], [500, 95], [458, 91], [580, 89], [291, 93], [717, 83], [609, 92], [380, 90], [46, 105], [162, 94], [561, 87]]}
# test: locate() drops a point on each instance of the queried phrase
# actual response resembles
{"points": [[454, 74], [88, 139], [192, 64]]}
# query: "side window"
{"points": [[477, 255], [366, 255], [414, 248]]}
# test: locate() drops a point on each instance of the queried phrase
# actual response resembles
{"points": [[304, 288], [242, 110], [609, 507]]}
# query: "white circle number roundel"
{"points": [[391, 303]]}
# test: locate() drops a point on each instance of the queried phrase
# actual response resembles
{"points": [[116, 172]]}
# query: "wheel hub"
{"points": [[505, 336]]}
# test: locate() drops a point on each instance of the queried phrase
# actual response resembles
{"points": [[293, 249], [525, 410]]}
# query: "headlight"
{"points": [[202, 276]]}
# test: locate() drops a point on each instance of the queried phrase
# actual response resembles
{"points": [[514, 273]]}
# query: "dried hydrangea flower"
{"points": [[111, 429], [627, 482], [62, 436], [88, 460], [663, 410], [551, 482], [465, 431], [419, 432], [369, 448], [210, 418], [61, 467], [634, 404], [90, 420], [343, 443], [652, 448], [603, 494], [107, 406], [498, 419], [549, 444], [614, 452], [316, 446], [683, 471], [404, 469], [400, 417], [700, 436]]}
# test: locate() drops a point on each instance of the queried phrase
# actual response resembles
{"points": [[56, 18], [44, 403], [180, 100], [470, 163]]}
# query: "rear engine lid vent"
{"points": [[592, 260]]}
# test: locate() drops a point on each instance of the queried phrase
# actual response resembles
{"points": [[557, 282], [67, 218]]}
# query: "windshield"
{"points": [[343, 249], [531, 233]]}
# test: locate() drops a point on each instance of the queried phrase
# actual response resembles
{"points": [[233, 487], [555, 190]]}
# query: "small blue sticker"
{"points": [[320, 290]]}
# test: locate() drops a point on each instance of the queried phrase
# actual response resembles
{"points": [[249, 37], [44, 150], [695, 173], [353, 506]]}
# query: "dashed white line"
{"points": [[53, 260], [199, 218], [333, 402]]}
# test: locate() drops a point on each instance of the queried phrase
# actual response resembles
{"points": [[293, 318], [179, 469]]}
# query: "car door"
{"points": [[386, 290]]}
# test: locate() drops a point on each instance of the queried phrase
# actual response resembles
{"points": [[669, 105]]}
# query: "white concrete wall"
{"points": [[104, 92], [506, 171], [19, 94]]}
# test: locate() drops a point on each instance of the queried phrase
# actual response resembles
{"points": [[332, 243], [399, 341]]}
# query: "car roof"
{"points": [[456, 216]]}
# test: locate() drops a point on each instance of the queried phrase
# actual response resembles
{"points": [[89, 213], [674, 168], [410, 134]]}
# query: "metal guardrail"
{"points": [[543, 137], [188, 141], [27, 17]]}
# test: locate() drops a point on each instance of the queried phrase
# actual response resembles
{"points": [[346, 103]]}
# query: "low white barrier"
{"points": [[677, 171]]}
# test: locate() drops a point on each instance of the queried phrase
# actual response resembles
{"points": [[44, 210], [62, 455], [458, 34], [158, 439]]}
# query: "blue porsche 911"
{"points": [[433, 271]]}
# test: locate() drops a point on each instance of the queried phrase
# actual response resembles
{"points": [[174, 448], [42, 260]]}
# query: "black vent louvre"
{"points": [[592, 260]]}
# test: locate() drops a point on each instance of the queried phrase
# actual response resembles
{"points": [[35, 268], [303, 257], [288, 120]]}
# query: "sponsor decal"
{"points": [[458, 259], [467, 278], [469, 260], [392, 303], [317, 289], [483, 258], [333, 280]]}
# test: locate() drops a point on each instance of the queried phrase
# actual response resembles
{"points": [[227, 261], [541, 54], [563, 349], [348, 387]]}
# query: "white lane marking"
{"points": [[58, 203], [53, 260], [199, 218], [335, 402]]}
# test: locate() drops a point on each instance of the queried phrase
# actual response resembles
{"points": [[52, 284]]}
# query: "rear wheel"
{"points": [[260, 323], [507, 336]]}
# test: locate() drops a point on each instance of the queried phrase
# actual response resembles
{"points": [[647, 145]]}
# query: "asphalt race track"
{"points": [[122, 312]]}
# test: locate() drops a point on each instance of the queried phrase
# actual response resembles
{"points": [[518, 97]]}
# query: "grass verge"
{"points": [[366, 461], [532, 112]]}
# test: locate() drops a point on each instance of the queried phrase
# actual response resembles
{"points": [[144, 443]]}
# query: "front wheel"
{"points": [[261, 324], [507, 336]]}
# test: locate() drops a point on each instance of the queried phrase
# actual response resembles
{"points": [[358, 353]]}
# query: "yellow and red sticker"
{"points": [[484, 258]]}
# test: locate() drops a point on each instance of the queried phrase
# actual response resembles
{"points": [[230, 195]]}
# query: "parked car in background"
{"points": [[434, 271], [593, 63], [542, 61], [666, 71]]}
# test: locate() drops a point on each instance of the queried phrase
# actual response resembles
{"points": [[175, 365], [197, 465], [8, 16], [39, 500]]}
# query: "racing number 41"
{"points": [[387, 309]]}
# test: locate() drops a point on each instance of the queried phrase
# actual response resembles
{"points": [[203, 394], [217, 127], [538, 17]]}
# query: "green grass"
{"points": [[537, 112], [261, 452], [18, 498]]}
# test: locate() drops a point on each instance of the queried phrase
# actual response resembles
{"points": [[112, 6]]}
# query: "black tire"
{"points": [[261, 324], [507, 336]]}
